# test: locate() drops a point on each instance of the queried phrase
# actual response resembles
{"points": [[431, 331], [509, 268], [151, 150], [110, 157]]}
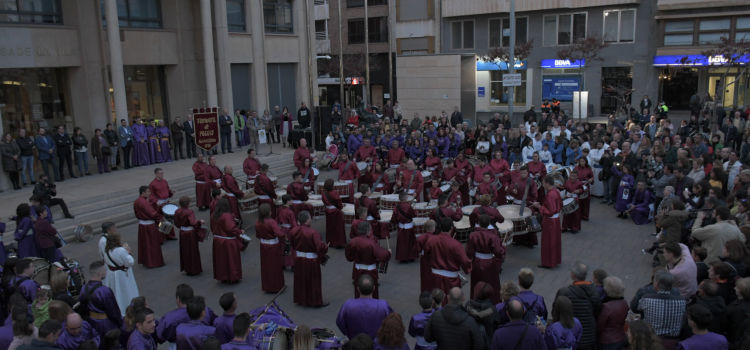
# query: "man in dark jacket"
{"points": [[530, 116], [46, 190], [516, 334], [457, 117], [452, 327], [26, 144], [586, 302], [736, 322], [303, 116], [49, 332], [189, 129], [708, 297], [176, 130], [63, 143], [225, 125]]}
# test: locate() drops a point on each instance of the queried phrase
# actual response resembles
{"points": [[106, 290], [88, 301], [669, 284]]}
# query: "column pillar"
{"points": [[208, 55], [115, 59]]}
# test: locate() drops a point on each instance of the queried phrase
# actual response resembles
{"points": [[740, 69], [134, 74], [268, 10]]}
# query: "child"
{"points": [[624, 189], [699, 254], [419, 322], [435, 191], [599, 276], [361, 217], [573, 188], [545, 156], [437, 298], [39, 306]]}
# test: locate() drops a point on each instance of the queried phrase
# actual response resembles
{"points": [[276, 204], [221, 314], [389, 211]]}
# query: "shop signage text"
{"points": [[28, 51], [696, 60], [484, 66], [206, 127], [563, 63]]}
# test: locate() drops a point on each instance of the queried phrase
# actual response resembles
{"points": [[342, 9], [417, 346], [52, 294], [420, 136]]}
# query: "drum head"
{"points": [[426, 173], [567, 201], [425, 205], [348, 209], [467, 210], [445, 188], [389, 198], [273, 178], [169, 209], [510, 211], [315, 203], [385, 215], [315, 197], [463, 224], [362, 166], [420, 221], [504, 227], [83, 233], [41, 271]]}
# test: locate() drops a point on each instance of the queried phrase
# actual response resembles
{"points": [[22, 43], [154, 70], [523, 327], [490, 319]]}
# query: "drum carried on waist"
{"points": [[375, 196], [467, 210], [424, 209], [249, 202], [585, 193], [319, 209], [427, 176], [168, 211], [349, 213], [389, 201], [511, 213], [166, 227], [505, 231], [463, 229], [419, 225], [570, 205]]}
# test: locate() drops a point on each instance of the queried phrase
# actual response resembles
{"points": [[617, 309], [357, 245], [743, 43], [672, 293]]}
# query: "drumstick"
{"points": [[388, 243]]}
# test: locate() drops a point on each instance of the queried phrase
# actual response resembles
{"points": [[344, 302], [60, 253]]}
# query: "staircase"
{"points": [[117, 206]]}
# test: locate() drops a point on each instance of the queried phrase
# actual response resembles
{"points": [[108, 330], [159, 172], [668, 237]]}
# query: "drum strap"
{"points": [[328, 196], [413, 175], [90, 294], [307, 173], [375, 185], [401, 211], [18, 282], [117, 266], [348, 163]]}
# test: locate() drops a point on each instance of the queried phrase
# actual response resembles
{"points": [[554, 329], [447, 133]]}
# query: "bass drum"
{"points": [[83, 233]]}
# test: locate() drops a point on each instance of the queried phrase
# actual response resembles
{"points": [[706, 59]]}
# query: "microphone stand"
{"points": [[270, 145]]}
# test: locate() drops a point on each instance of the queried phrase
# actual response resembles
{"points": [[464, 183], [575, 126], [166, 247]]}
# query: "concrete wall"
{"points": [[428, 83]]}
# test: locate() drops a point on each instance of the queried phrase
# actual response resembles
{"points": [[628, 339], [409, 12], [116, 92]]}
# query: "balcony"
{"points": [[454, 8], [321, 10]]}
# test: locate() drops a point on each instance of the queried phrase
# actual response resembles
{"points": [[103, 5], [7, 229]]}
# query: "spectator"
{"points": [[40, 306], [27, 145], [564, 331], [642, 337], [482, 309], [586, 302], [419, 321], [365, 314], [126, 142], [713, 237], [699, 255], [708, 297], [11, 154], [663, 310], [699, 319], [735, 256], [458, 118], [110, 135], [23, 327], [47, 336], [719, 273], [529, 299], [176, 128], [391, 334], [611, 320], [225, 125], [303, 116], [189, 129], [46, 191], [516, 334], [46, 235], [453, 328], [80, 148], [75, 332], [682, 268], [62, 146], [101, 150], [303, 338]]}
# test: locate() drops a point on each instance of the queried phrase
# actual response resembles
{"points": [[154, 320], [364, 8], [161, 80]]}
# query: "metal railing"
{"points": [[321, 36], [320, 2]]}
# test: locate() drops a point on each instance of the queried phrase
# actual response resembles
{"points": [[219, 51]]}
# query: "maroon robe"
{"points": [[500, 166], [584, 205], [373, 215], [307, 284], [435, 166], [160, 193], [202, 189], [311, 178], [434, 194], [466, 171], [191, 233], [299, 196], [271, 255], [226, 249], [572, 221], [300, 154], [454, 198], [251, 168], [478, 173], [365, 254], [405, 240], [351, 174], [212, 207], [538, 170], [417, 185], [487, 188], [439, 213], [519, 185], [364, 152], [213, 174], [354, 233], [487, 253], [394, 156], [335, 231], [495, 217], [426, 278], [384, 186], [551, 240], [286, 220], [149, 250], [446, 256], [234, 194], [266, 192]]}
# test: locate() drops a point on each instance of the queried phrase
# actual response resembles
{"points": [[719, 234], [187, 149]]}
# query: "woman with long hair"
{"points": [[271, 250], [735, 254], [303, 338], [742, 212], [25, 235], [80, 148], [286, 126], [23, 327], [227, 244], [390, 336], [443, 144], [417, 152], [59, 283], [642, 337], [718, 178], [308, 173], [470, 143], [564, 330], [696, 196], [121, 280], [128, 321], [11, 157]]}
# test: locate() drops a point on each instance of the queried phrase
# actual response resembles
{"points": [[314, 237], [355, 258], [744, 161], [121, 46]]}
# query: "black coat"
{"points": [[63, 143], [453, 329], [485, 314], [304, 120], [112, 139], [225, 123], [586, 305], [717, 307], [176, 130], [457, 118], [26, 144], [735, 321], [530, 115], [188, 129]]}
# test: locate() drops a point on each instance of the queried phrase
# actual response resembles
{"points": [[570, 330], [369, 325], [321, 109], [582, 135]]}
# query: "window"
{"points": [[361, 3], [742, 29], [321, 29], [680, 33], [619, 26], [706, 31], [564, 29], [462, 35], [30, 11], [137, 13], [277, 15], [377, 26], [711, 31], [236, 15], [500, 28], [500, 95]]}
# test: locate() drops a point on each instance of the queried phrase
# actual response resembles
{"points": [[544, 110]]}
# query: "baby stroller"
{"points": [[331, 154]]}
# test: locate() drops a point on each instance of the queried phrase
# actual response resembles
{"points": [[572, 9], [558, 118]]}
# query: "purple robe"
{"points": [[704, 341], [224, 325], [104, 302], [362, 316], [506, 336], [140, 341], [27, 288], [3, 254], [154, 155], [558, 337], [166, 329], [69, 342], [161, 133], [623, 198], [377, 346], [190, 335], [6, 335], [28, 246], [531, 300], [641, 200], [235, 345], [140, 150], [416, 329]]}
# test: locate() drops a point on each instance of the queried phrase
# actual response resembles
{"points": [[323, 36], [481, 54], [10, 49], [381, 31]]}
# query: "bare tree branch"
{"points": [[498, 55]]}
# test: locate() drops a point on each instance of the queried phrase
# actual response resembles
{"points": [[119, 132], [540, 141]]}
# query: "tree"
{"points": [[499, 55], [584, 51], [621, 93]]}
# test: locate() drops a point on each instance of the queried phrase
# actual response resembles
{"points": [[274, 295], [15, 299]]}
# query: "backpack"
{"points": [[530, 316]]}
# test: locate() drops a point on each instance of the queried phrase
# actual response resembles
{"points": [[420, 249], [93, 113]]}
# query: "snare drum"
{"points": [[424, 209], [389, 201], [83, 233], [348, 211], [445, 188], [168, 210], [585, 192], [275, 180], [463, 229], [315, 197], [271, 339], [427, 176], [362, 166], [570, 205], [319, 209], [383, 267], [467, 210], [342, 188], [510, 212], [279, 193], [165, 227], [505, 231], [248, 203], [419, 225]]}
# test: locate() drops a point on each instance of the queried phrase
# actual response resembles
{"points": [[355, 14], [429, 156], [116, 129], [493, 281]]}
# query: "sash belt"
{"points": [[146, 222], [444, 273], [269, 241]]}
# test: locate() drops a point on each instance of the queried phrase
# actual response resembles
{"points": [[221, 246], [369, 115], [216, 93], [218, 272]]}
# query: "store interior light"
{"points": [[10, 82]]}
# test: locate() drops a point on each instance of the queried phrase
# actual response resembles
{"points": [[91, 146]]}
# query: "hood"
{"points": [[480, 309], [715, 304], [455, 314], [678, 213]]}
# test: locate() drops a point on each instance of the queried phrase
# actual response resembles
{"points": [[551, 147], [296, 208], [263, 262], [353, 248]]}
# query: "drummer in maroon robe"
{"points": [[160, 195], [467, 171], [348, 172], [335, 231], [271, 250], [366, 152], [585, 175], [410, 181], [216, 195], [376, 178], [517, 188], [425, 272], [234, 193], [286, 221], [435, 191], [202, 190], [403, 215], [366, 255], [538, 170], [373, 214], [445, 211], [501, 168], [550, 211], [456, 195], [310, 250], [301, 153], [265, 190], [487, 253], [479, 170], [296, 190], [447, 257], [213, 173], [487, 187], [395, 155], [251, 167], [485, 208], [434, 165], [360, 215], [573, 188], [308, 175], [149, 247], [227, 244], [191, 233]]}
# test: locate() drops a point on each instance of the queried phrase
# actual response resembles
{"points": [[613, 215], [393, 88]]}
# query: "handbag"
{"points": [[58, 242], [106, 150], [601, 175]]}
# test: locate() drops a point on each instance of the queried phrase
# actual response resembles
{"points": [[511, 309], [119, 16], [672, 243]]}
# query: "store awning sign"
{"points": [[695, 60], [557, 63], [484, 66], [206, 122]]}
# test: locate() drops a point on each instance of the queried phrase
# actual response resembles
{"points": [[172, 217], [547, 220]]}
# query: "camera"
{"points": [[693, 213]]}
